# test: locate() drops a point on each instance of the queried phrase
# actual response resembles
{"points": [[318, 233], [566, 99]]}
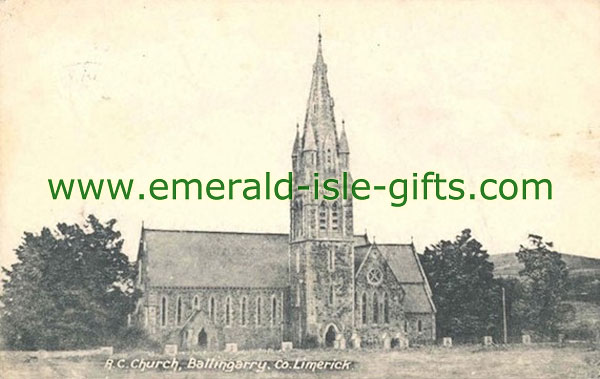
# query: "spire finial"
{"points": [[319, 28]]}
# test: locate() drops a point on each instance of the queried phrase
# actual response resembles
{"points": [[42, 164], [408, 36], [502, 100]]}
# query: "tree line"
{"points": [[469, 298], [72, 287]]}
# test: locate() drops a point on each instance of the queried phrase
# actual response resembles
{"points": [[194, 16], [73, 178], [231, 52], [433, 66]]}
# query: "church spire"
{"points": [[343, 146], [319, 110], [320, 61]]}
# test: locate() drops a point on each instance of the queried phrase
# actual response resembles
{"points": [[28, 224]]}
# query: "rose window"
{"points": [[375, 276]]}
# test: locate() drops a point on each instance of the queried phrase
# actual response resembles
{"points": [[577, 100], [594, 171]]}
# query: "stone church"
{"points": [[319, 285]]}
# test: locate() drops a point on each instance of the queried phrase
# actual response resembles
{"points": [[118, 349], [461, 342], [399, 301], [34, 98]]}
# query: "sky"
{"points": [[149, 89]]}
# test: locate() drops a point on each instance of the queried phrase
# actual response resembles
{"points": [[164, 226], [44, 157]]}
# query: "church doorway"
{"points": [[202, 339], [330, 336]]}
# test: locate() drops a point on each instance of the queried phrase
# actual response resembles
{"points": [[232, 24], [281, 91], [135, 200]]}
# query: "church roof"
{"points": [[216, 259], [177, 258], [404, 263]]}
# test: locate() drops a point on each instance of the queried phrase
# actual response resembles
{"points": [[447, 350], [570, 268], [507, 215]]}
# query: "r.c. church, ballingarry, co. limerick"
{"points": [[319, 285]]}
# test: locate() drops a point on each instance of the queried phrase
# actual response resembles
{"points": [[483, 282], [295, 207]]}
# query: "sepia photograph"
{"points": [[298, 189]]}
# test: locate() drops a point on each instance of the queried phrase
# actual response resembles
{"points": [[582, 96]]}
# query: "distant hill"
{"points": [[583, 285], [508, 265]]}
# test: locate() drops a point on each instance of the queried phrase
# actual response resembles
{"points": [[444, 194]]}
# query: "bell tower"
{"points": [[321, 231]]}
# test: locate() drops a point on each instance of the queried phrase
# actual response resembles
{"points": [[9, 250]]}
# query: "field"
{"points": [[518, 361]]}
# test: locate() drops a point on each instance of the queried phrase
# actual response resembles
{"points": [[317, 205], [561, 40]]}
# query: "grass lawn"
{"points": [[536, 361]]}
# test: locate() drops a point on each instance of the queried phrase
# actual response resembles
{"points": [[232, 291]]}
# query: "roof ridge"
{"points": [[226, 232], [212, 231]]}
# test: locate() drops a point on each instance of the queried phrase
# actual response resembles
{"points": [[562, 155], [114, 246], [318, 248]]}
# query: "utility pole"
{"points": [[504, 314]]}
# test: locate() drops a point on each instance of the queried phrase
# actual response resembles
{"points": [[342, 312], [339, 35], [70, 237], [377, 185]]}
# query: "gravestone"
{"points": [[286, 346], [342, 343], [488, 341], [170, 349], [355, 341], [526, 339], [404, 343], [387, 341], [561, 338], [231, 347], [447, 342]]}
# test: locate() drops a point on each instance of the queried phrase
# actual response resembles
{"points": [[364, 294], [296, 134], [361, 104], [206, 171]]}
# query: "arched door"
{"points": [[330, 336], [202, 339]]}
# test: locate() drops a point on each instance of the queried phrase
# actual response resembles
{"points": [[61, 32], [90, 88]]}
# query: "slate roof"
{"points": [[417, 299], [403, 261], [178, 258]]}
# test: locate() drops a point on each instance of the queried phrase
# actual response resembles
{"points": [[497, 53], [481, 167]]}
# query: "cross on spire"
{"points": [[319, 28]]}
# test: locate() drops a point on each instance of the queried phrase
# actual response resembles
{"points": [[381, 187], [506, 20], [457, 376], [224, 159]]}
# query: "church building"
{"points": [[321, 285]]}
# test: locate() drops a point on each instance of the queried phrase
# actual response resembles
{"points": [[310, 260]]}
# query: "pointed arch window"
{"points": [[331, 294], [386, 309], [334, 217], [163, 311], [273, 310], [331, 259], [243, 308], [211, 309], [405, 326], [375, 308], [419, 326], [297, 294], [179, 311], [258, 310], [196, 302], [297, 222], [228, 311], [323, 216], [364, 308]]}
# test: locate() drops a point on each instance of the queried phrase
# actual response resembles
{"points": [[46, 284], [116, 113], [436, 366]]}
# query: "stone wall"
{"points": [[426, 334], [322, 295], [253, 332]]}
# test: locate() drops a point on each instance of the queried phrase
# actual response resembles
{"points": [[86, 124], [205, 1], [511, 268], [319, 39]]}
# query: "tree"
{"points": [[467, 297], [70, 288], [544, 278]]}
